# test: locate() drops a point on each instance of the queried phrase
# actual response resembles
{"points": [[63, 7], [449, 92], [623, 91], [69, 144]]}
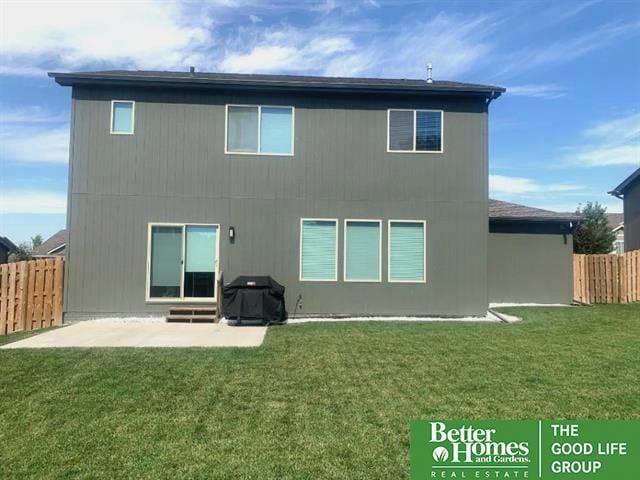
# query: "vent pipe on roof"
{"points": [[429, 72], [192, 70]]}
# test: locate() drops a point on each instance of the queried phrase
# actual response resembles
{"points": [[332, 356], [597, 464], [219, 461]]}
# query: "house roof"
{"points": [[274, 82], [7, 244], [505, 211], [615, 220], [55, 244], [626, 183]]}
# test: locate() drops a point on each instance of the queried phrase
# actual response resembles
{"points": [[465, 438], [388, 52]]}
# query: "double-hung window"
{"points": [[318, 249], [407, 251], [362, 250], [259, 129], [122, 117], [417, 131]]}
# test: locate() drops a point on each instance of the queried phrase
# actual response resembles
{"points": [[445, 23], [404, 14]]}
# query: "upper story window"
{"points": [[258, 129], [122, 116], [417, 131]]}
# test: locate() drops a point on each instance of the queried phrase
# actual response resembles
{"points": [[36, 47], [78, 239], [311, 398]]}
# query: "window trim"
{"points": [[181, 298], [133, 117], [415, 115], [344, 247], [424, 250], [258, 153], [337, 224]]}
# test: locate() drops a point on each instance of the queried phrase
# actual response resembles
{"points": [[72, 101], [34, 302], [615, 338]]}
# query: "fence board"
{"points": [[607, 278], [31, 295], [4, 297]]}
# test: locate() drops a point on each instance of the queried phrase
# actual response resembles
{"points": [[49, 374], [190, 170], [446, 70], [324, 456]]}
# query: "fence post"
{"points": [[4, 297]]}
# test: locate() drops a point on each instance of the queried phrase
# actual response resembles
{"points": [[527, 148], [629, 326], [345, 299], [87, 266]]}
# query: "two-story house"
{"points": [[361, 196], [629, 192]]}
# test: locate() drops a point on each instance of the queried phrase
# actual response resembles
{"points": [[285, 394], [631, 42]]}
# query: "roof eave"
{"points": [[69, 80], [535, 219], [619, 191]]}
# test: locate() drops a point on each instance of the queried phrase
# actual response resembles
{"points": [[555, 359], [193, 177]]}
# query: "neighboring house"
{"points": [[361, 196], [530, 254], [53, 246], [6, 247], [616, 223], [629, 192]]}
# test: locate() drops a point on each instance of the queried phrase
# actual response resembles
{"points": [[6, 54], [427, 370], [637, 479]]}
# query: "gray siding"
{"points": [[530, 268], [632, 217], [174, 170]]}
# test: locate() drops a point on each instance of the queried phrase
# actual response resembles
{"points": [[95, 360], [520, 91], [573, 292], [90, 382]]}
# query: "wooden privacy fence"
{"points": [[607, 278], [31, 295]]}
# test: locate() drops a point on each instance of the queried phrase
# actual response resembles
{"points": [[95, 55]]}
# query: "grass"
{"points": [[14, 337], [330, 401]]}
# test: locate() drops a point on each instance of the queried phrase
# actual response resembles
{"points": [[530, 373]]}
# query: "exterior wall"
{"points": [[4, 255], [173, 169], [632, 217], [530, 268]]}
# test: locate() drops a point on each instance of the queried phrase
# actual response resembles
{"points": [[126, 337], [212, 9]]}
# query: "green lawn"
{"points": [[321, 401]]}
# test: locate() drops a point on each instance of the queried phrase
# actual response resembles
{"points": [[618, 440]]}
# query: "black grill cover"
{"points": [[254, 298]]}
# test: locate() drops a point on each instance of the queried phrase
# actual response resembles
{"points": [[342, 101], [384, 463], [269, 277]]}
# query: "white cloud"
{"points": [[604, 156], [454, 44], [623, 129], [612, 142], [12, 201], [565, 50], [34, 145], [288, 50], [30, 114], [544, 90], [69, 35], [502, 184]]}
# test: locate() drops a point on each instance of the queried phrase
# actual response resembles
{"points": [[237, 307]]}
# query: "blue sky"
{"points": [[567, 131]]}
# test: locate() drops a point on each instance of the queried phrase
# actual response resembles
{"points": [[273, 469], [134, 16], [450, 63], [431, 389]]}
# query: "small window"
{"points": [[362, 250], [259, 130], [414, 131], [319, 250], [406, 251], [122, 117]]}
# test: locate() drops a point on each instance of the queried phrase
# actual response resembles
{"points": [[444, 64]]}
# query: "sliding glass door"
{"points": [[200, 266], [183, 262]]}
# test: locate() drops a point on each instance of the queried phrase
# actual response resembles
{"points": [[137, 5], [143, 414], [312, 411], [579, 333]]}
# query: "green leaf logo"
{"points": [[440, 454]]}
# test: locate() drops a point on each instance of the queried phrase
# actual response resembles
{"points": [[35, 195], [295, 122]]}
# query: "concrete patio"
{"points": [[168, 335]]}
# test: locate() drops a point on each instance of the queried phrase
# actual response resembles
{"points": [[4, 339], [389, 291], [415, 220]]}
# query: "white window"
{"points": [[362, 250], [415, 131], [258, 129], [407, 251], [122, 117], [318, 249]]}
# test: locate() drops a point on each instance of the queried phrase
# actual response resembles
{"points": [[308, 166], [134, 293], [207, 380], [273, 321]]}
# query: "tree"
{"points": [[593, 234], [36, 241], [24, 250], [21, 253]]}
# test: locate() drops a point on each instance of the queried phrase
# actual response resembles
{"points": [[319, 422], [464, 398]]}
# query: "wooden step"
{"points": [[193, 313], [195, 310], [192, 318]]}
